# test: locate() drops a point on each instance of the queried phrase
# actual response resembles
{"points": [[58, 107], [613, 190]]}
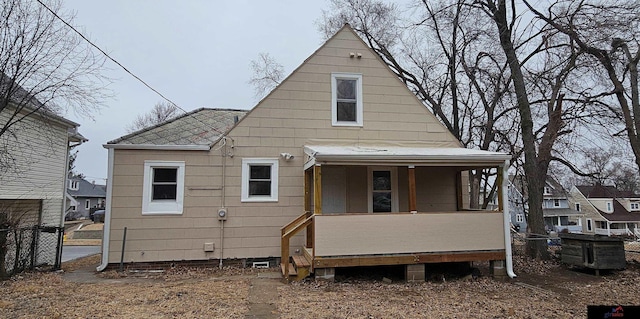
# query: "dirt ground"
{"points": [[542, 290]]}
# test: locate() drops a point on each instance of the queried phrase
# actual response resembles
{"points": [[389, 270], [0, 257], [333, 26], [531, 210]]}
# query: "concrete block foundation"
{"points": [[415, 273]]}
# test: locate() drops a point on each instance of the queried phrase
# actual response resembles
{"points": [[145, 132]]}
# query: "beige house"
{"points": [[339, 166], [607, 211]]}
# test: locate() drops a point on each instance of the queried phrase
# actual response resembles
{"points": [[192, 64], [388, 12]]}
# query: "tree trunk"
{"points": [[535, 248]]}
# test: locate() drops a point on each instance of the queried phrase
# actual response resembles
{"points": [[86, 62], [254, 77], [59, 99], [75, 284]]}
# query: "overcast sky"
{"points": [[196, 53]]}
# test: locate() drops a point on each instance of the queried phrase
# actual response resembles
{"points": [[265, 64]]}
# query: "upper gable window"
{"points": [[73, 185], [163, 188], [346, 99]]}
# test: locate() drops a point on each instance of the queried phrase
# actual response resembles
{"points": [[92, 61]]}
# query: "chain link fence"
{"points": [[25, 248]]}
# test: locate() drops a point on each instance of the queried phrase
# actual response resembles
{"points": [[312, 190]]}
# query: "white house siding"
{"points": [[297, 113], [40, 150]]}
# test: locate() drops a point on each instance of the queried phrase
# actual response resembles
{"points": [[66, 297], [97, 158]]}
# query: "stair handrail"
{"points": [[288, 231]]}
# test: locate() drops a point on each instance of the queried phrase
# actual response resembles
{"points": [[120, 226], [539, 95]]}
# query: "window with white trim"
{"points": [[73, 185], [87, 204], [519, 218], [578, 206], [163, 188], [556, 203], [609, 207], [259, 180], [547, 190], [635, 206], [346, 99]]}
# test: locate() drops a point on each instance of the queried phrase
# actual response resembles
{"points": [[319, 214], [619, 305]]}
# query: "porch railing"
{"points": [[288, 231]]}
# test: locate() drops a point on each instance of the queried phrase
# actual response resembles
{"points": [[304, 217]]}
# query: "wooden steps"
{"points": [[292, 270], [299, 268], [300, 261]]}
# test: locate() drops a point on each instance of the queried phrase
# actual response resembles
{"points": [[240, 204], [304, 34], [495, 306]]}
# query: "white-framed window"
{"points": [[635, 206], [578, 206], [87, 204], [73, 185], [556, 203], [609, 207], [346, 99], [163, 187], [519, 218], [259, 180], [547, 190]]}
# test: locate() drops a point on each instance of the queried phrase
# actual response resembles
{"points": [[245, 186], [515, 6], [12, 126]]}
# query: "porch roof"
{"points": [[395, 155]]}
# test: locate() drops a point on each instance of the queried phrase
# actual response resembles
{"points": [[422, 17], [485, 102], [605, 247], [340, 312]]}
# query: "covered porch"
{"points": [[370, 206]]}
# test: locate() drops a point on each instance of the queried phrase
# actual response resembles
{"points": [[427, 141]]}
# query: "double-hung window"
{"points": [[259, 180], [346, 99], [163, 188]]}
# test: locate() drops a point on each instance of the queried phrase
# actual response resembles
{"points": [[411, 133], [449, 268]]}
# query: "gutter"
{"points": [[106, 233], [507, 221], [192, 147]]}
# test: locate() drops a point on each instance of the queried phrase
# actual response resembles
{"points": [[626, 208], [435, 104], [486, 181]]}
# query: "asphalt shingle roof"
{"points": [[203, 126], [87, 189]]}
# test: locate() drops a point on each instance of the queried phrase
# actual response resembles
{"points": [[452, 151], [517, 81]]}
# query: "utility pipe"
{"points": [[507, 219]]}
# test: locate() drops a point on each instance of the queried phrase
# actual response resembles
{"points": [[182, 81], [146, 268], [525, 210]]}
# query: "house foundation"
{"points": [[415, 273], [498, 269], [326, 274]]}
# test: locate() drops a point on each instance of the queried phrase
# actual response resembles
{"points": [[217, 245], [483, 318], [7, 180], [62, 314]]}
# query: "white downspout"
{"points": [[507, 219], [107, 214]]}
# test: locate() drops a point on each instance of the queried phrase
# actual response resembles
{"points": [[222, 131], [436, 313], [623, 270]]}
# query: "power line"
{"points": [[123, 67]]}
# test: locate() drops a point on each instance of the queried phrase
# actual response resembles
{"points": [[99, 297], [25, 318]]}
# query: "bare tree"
{"points": [[608, 32], [160, 113], [45, 69], [266, 74]]}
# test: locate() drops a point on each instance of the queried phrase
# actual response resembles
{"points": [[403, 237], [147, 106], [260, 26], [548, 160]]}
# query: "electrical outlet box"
{"points": [[209, 247]]}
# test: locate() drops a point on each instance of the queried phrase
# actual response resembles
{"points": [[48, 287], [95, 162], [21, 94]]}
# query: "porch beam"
{"points": [[354, 261], [413, 207], [317, 190]]}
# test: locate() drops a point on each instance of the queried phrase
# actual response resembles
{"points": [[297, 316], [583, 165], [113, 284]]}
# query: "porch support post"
{"points": [[307, 190], [317, 190], [308, 180], [459, 191], [412, 189], [608, 228]]}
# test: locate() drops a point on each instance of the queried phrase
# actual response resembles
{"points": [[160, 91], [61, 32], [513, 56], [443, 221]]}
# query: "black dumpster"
{"points": [[593, 251]]}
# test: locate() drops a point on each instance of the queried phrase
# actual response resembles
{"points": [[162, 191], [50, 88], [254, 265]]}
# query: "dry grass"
{"points": [[542, 290], [50, 296]]}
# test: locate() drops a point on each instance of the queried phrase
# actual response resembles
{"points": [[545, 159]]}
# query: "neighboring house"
{"points": [[607, 211], [339, 166], [87, 196], [33, 173], [558, 214]]}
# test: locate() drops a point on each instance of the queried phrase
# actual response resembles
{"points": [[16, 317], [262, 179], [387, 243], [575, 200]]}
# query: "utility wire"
{"points": [[124, 68]]}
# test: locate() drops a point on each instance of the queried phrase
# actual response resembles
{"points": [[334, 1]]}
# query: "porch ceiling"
{"points": [[396, 155]]}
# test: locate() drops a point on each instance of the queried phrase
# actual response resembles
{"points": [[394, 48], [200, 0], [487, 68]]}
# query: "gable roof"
{"points": [[18, 95], [203, 126], [604, 191], [520, 184], [87, 189]]}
